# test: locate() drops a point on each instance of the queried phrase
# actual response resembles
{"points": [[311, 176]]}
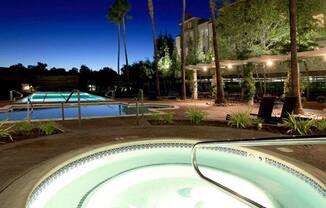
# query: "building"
{"points": [[271, 67], [197, 29]]}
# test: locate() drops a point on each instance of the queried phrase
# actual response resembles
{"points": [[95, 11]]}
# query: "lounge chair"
{"points": [[288, 108], [265, 108]]}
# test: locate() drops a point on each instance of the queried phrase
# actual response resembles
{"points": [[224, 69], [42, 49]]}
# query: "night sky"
{"points": [[69, 33]]}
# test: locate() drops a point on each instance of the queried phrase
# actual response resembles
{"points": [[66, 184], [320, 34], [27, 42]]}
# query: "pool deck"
{"points": [[23, 163]]}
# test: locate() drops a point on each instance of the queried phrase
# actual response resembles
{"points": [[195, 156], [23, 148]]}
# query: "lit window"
{"points": [[91, 88]]}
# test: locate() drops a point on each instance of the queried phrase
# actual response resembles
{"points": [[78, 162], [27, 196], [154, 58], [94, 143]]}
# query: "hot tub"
{"points": [[159, 174]]}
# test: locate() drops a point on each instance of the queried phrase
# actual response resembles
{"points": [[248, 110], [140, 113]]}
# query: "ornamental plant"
{"points": [[195, 115], [298, 125], [5, 132], [241, 120], [48, 128]]}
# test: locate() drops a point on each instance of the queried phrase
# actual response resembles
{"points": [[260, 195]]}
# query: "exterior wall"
{"points": [[196, 29], [205, 36]]}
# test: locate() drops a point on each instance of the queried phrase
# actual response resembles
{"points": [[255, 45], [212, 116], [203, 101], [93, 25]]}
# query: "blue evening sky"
{"points": [[69, 33]]}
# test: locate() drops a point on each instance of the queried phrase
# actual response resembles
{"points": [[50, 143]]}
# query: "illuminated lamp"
{"points": [[269, 63]]}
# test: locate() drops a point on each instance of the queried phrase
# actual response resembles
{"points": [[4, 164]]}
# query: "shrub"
{"points": [[156, 117], [195, 115], [48, 128], [298, 125], [24, 126], [321, 125], [242, 120], [321, 99], [5, 132], [166, 118]]}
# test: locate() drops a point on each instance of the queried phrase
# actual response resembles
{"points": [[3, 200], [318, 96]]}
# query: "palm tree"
{"points": [[125, 8], [219, 98], [157, 78], [295, 79], [114, 17], [182, 45]]}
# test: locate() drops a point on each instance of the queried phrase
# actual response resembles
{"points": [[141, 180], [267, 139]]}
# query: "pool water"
{"points": [[87, 111], [160, 175], [50, 97]]}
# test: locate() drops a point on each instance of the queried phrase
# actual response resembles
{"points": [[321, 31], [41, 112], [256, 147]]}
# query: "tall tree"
{"points": [[219, 99], [125, 8], [295, 73], [157, 78], [183, 59], [114, 16]]}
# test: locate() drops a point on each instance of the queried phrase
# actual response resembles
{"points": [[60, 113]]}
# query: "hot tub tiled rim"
{"points": [[272, 160]]}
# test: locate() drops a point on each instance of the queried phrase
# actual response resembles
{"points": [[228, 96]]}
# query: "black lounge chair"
{"points": [[266, 108], [287, 109]]}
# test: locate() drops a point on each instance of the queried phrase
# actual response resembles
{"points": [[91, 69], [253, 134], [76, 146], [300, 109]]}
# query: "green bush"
{"points": [[321, 99], [195, 115], [48, 128], [242, 120], [298, 125], [168, 117], [5, 132], [321, 125], [24, 126], [156, 117], [163, 118]]}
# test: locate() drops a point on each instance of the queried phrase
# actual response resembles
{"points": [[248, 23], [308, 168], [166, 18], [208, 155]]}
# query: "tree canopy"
{"points": [[260, 27]]}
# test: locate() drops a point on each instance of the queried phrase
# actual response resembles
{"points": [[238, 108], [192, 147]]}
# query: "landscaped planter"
{"points": [[266, 127], [24, 135]]}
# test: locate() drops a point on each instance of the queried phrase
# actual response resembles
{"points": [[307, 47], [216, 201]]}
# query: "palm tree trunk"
{"points": [[157, 78], [182, 44], [295, 73], [119, 55], [308, 79], [125, 49], [219, 99]]}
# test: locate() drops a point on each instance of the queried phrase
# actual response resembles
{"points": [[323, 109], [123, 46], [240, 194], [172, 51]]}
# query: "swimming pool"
{"points": [[50, 97], [159, 174], [71, 112]]}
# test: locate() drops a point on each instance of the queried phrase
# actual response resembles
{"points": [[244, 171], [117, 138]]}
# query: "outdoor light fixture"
{"points": [[26, 87], [229, 66], [205, 69], [91, 88], [269, 63]]}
